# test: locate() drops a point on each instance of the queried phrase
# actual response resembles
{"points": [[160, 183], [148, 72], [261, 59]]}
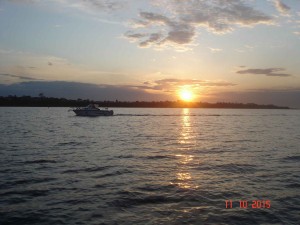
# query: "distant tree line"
{"points": [[42, 101]]}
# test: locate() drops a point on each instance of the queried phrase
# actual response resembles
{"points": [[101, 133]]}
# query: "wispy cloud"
{"points": [[215, 50], [297, 33], [282, 8], [49, 67], [17, 76], [95, 5], [96, 9], [81, 4], [172, 85], [23, 1], [271, 72], [192, 82]]}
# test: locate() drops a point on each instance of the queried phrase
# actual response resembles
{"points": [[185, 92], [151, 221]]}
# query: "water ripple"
{"points": [[149, 166]]}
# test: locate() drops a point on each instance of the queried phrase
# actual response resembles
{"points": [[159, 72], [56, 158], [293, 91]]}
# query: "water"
{"points": [[149, 166]]}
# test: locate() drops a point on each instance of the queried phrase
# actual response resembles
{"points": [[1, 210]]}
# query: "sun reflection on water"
{"points": [[186, 128], [184, 178], [185, 158]]}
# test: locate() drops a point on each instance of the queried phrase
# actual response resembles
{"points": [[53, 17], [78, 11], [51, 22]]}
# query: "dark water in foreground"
{"points": [[149, 166]]}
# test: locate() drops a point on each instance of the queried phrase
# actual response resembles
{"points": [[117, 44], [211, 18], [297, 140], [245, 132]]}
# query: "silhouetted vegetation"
{"points": [[42, 101]]}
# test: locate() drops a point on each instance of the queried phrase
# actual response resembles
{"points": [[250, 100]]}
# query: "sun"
{"points": [[186, 95]]}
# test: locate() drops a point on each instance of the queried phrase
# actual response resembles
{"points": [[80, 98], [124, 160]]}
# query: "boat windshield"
{"points": [[91, 106]]}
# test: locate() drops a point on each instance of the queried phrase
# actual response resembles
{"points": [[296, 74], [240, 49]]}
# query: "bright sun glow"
{"points": [[186, 95]]}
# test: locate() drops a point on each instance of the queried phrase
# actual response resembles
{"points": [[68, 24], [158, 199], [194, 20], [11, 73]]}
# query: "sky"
{"points": [[145, 50]]}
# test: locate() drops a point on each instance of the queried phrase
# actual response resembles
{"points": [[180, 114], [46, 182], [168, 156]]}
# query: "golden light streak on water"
{"points": [[184, 178]]}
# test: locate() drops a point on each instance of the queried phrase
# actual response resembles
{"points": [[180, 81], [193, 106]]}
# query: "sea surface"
{"points": [[150, 166]]}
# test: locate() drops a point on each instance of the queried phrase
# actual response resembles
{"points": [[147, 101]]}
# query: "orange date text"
{"points": [[245, 204]]}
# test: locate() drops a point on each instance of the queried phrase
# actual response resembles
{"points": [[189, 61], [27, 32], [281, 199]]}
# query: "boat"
{"points": [[92, 110]]}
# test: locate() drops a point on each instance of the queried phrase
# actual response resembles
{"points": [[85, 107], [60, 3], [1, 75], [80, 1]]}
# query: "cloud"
{"points": [[5, 52], [36, 66], [74, 90], [179, 24], [24, 1], [193, 82], [49, 67], [271, 72], [96, 9], [172, 85], [171, 23], [178, 32], [94, 5], [282, 8], [17, 76], [154, 37], [85, 5], [215, 50], [297, 33], [103, 11], [282, 97]]}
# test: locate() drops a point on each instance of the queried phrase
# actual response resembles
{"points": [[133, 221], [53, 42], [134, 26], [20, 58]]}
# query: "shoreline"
{"points": [[28, 101]]}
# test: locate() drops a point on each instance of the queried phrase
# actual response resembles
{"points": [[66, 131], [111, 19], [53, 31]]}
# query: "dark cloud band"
{"points": [[270, 72]]}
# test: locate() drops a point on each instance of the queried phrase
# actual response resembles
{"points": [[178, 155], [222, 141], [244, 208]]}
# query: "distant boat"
{"points": [[92, 110]]}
